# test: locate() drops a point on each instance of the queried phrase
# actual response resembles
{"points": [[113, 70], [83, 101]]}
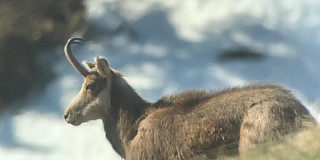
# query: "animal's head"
{"points": [[93, 100]]}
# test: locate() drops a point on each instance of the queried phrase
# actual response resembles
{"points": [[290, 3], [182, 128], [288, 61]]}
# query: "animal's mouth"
{"points": [[76, 123], [74, 120]]}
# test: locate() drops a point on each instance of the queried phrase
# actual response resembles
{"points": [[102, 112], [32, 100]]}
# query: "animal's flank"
{"points": [[187, 125]]}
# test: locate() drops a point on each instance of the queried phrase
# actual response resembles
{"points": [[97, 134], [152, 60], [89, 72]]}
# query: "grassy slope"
{"points": [[303, 146]]}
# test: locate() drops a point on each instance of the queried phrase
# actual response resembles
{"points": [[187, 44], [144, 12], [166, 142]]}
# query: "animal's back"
{"points": [[191, 123]]}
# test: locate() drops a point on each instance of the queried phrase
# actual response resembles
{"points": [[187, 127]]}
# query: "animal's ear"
{"points": [[103, 67], [88, 65]]}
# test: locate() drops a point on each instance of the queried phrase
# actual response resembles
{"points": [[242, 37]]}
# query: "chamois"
{"points": [[195, 124]]}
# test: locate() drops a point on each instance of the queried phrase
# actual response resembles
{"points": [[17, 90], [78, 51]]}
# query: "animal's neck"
{"points": [[126, 108]]}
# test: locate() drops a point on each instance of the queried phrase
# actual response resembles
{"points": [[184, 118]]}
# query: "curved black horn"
{"points": [[73, 61]]}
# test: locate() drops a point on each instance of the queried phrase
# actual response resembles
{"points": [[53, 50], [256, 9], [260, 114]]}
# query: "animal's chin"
{"points": [[74, 122]]}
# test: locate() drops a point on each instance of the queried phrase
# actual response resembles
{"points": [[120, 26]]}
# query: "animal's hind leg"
{"points": [[264, 123]]}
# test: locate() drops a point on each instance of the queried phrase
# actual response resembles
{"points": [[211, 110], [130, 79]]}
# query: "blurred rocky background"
{"points": [[161, 47], [27, 28]]}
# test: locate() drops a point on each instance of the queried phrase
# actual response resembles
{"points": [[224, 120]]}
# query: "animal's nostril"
{"points": [[66, 116]]}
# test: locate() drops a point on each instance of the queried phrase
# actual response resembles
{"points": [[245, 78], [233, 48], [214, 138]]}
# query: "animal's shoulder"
{"points": [[185, 98]]}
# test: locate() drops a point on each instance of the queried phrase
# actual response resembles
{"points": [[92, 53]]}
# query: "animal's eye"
{"points": [[91, 86]]}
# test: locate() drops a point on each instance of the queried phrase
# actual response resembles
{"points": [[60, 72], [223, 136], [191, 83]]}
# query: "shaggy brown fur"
{"points": [[201, 124]]}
